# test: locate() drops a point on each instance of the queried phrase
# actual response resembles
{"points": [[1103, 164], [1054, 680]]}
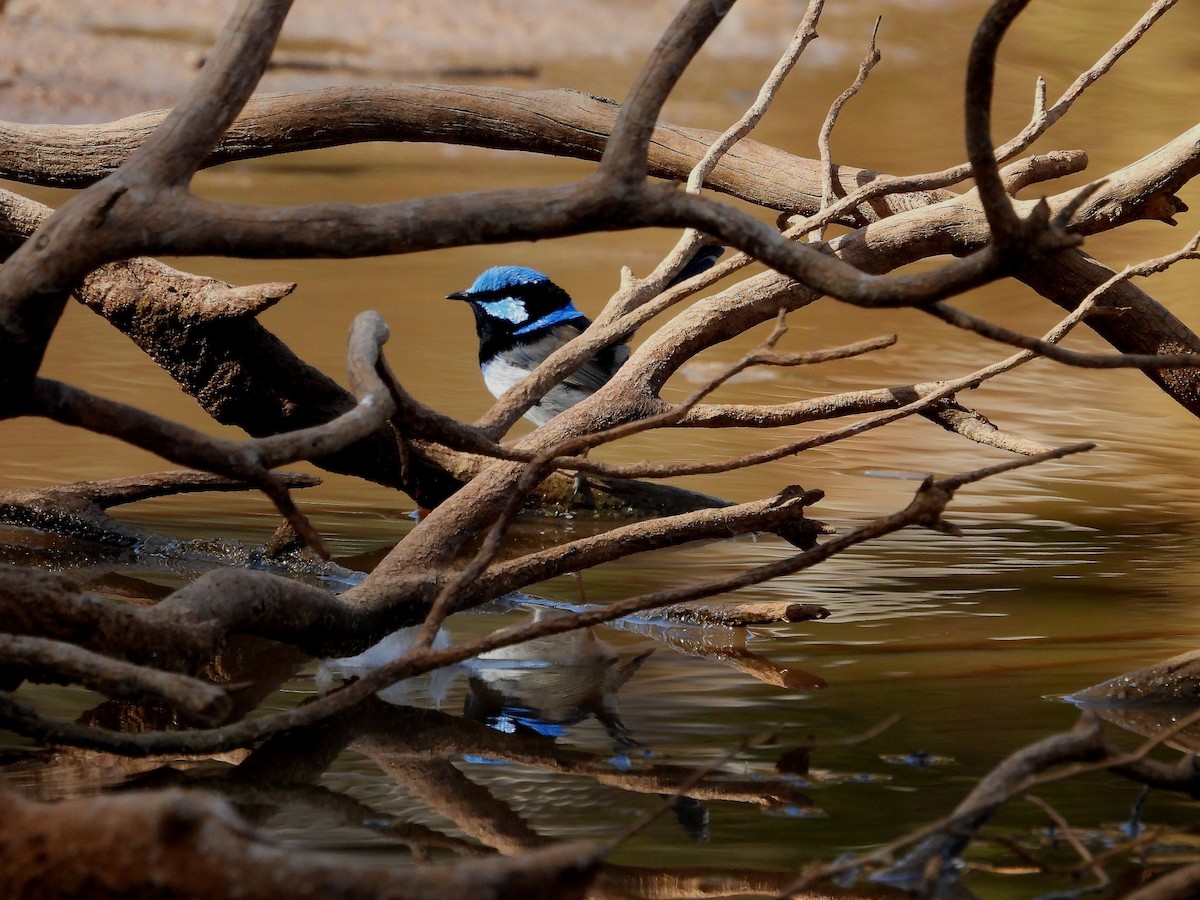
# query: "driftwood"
{"points": [[135, 203], [102, 847]]}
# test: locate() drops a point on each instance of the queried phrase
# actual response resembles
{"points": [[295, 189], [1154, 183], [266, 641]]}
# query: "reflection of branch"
{"points": [[925, 509], [1080, 750], [416, 746], [735, 656], [670, 625], [419, 838], [1181, 884], [441, 788], [398, 734], [1064, 828]]}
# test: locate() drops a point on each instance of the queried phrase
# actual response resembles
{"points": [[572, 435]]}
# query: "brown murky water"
{"points": [[1067, 574]]}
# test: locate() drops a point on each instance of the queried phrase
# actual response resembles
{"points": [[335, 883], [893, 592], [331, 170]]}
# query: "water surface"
{"points": [[1066, 574]]}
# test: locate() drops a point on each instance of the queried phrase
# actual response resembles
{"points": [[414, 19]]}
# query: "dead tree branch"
{"points": [[925, 509], [77, 510], [828, 169], [99, 846], [248, 461]]}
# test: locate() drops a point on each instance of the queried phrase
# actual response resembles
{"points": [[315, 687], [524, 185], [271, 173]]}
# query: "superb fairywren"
{"points": [[521, 317]]}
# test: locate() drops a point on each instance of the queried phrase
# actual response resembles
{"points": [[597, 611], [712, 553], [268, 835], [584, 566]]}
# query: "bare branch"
{"points": [[806, 32], [1006, 227], [1044, 118], [249, 461], [624, 159], [633, 295], [35, 280], [77, 509], [1041, 121], [56, 662], [1050, 348], [828, 173]]}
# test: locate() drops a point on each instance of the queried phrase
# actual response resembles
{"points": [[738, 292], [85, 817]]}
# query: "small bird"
{"points": [[521, 317]]}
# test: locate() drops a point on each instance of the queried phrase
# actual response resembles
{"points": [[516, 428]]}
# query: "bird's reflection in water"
{"points": [[429, 689], [542, 686], [549, 684]]}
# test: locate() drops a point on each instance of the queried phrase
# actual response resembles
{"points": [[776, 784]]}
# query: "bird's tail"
{"points": [[702, 260]]}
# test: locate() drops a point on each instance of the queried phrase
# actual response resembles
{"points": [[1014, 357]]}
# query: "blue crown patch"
{"points": [[499, 278]]}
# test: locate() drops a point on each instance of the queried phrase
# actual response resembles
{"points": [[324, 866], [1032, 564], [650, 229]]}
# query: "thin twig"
{"points": [[635, 293], [828, 170], [806, 32], [1043, 118]]}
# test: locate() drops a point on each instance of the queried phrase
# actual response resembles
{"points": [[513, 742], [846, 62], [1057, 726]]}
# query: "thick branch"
{"points": [[35, 280], [558, 122], [55, 662], [78, 510], [781, 513], [99, 846]]}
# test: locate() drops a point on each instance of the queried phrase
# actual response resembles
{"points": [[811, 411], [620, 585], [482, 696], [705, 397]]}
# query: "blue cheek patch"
{"points": [[567, 313], [510, 309]]}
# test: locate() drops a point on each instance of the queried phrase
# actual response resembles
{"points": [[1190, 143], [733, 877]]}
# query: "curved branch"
{"points": [[200, 227], [56, 662], [213, 100], [977, 101], [249, 461], [35, 281], [624, 159], [557, 122]]}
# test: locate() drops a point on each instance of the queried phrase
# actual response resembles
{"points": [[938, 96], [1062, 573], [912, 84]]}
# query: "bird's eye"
{"points": [[509, 308]]}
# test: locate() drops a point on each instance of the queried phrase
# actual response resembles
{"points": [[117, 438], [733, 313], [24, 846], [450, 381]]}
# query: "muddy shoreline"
{"points": [[69, 62]]}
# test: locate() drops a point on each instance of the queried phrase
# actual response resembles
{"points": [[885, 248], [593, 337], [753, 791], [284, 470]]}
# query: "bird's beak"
{"points": [[458, 295]]}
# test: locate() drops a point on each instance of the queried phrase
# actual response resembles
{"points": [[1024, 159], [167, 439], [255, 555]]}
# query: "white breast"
{"points": [[499, 376]]}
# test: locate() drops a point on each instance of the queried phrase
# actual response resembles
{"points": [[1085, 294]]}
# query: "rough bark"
{"points": [[558, 122], [178, 844]]}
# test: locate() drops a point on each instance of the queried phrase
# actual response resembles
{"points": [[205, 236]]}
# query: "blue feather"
{"points": [[521, 317], [499, 278], [567, 313]]}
